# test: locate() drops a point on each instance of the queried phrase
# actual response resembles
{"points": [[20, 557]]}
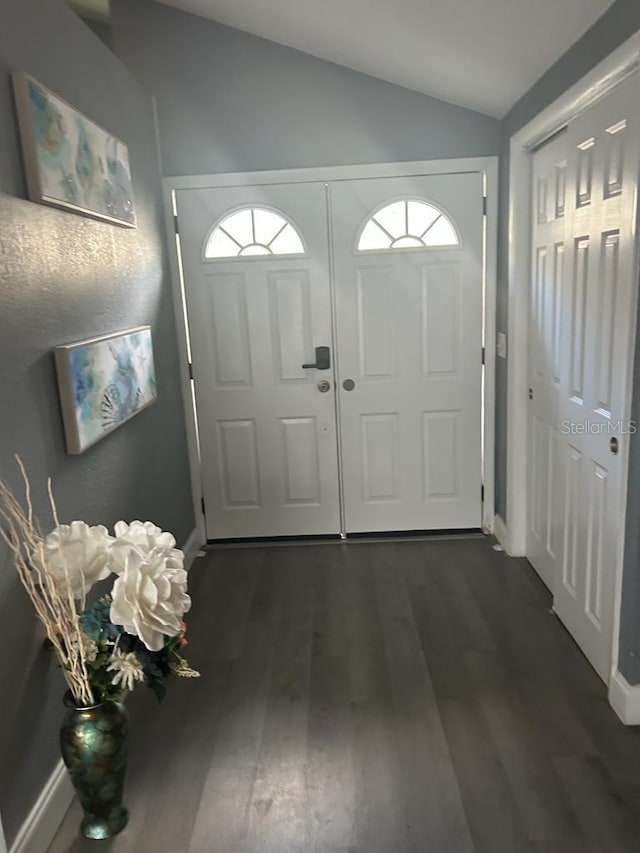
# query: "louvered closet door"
{"points": [[598, 322]]}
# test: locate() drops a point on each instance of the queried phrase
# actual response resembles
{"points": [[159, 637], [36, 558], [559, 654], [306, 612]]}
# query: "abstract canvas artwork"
{"points": [[70, 161], [103, 383]]}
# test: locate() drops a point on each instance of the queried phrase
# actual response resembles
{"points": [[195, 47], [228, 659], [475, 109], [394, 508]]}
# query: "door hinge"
{"points": [[190, 371], [482, 494], [175, 223], [484, 205], [483, 354], [202, 506]]}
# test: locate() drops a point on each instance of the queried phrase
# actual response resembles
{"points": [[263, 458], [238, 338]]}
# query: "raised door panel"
{"points": [[441, 319], [291, 323], [376, 327], [238, 462], [301, 459], [442, 455], [380, 458], [226, 296]]}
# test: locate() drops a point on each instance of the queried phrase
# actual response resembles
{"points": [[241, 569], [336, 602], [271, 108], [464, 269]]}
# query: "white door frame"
{"points": [[619, 65], [486, 165]]}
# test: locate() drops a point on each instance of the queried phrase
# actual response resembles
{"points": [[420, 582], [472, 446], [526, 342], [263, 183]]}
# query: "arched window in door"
{"points": [[407, 224], [251, 232]]}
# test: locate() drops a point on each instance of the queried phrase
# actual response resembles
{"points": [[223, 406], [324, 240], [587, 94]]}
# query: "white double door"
{"points": [[389, 436], [581, 333]]}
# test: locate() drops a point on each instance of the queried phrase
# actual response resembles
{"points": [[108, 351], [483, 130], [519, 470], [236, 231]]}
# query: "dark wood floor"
{"points": [[377, 698]]}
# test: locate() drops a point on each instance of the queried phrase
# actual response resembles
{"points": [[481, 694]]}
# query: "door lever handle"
{"points": [[323, 360]]}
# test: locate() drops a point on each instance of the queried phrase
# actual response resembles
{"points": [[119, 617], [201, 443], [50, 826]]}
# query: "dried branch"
{"points": [[57, 609]]}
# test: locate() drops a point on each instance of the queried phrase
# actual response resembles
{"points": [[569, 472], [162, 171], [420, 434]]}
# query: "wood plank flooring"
{"points": [[402, 697]]}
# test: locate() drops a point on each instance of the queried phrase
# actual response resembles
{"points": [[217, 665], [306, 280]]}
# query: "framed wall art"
{"points": [[70, 161], [104, 382]]}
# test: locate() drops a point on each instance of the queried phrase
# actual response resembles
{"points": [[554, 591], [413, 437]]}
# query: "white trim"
{"points": [[500, 532], [356, 172], [191, 547], [44, 819], [597, 83], [485, 165], [625, 699], [188, 401], [490, 307]]}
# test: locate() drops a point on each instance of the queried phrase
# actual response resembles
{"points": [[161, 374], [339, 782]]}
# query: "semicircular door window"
{"points": [[251, 232], [407, 224]]}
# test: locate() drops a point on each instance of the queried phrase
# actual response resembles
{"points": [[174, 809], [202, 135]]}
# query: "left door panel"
{"points": [[258, 304]]}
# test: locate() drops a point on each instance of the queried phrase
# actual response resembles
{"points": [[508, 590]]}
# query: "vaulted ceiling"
{"points": [[482, 54]]}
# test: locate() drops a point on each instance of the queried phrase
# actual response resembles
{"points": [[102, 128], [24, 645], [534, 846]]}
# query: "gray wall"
{"points": [[620, 22], [64, 277], [228, 101]]}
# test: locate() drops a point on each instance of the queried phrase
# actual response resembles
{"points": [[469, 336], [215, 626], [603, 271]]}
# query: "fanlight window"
{"points": [[253, 231], [407, 224]]}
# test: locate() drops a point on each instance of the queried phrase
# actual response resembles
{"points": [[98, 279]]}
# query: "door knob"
{"points": [[323, 386], [323, 360]]}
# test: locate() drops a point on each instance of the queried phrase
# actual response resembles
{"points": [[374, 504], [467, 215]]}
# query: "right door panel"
{"points": [[408, 263], [600, 268]]}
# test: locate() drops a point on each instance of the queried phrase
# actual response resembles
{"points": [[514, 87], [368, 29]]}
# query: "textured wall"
{"points": [[228, 101], [618, 24], [65, 277]]}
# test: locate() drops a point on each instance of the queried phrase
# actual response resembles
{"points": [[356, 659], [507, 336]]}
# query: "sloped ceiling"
{"points": [[481, 54]]}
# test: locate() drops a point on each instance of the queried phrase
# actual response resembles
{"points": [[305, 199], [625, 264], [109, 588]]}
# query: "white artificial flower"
{"points": [[127, 669], [75, 556], [145, 537], [149, 597]]}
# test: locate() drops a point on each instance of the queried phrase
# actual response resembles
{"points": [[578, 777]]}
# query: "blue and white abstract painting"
{"points": [[71, 162], [103, 383]]}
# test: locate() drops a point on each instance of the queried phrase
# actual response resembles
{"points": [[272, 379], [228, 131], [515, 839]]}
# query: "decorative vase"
{"points": [[94, 749]]}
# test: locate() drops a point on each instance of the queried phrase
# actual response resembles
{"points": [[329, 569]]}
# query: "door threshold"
{"points": [[270, 541], [416, 535], [335, 538]]}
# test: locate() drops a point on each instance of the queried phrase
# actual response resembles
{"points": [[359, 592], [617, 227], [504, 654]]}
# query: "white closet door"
{"points": [[258, 303], [408, 263], [597, 303], [545, 483]]}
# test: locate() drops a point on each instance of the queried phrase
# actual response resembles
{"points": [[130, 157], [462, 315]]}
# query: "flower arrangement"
{"points": [[133, 635]]}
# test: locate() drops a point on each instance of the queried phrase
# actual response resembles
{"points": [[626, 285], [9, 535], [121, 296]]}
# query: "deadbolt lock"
{"points": [[324, 386]]}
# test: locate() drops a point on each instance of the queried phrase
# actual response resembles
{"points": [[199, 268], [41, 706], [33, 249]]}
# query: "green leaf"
{"points": [[159, 688]]}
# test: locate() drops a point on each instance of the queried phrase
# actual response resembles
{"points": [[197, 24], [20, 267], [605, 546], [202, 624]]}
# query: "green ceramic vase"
{"points": [[94, 749]]}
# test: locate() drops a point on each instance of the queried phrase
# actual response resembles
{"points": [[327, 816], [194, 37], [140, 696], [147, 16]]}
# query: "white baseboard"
{"points": [[500, 532], [624, 698], [191, 547], [44, 819]]}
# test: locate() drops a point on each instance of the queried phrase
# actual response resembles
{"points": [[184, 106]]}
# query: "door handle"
{"points": [[323, 360]]}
